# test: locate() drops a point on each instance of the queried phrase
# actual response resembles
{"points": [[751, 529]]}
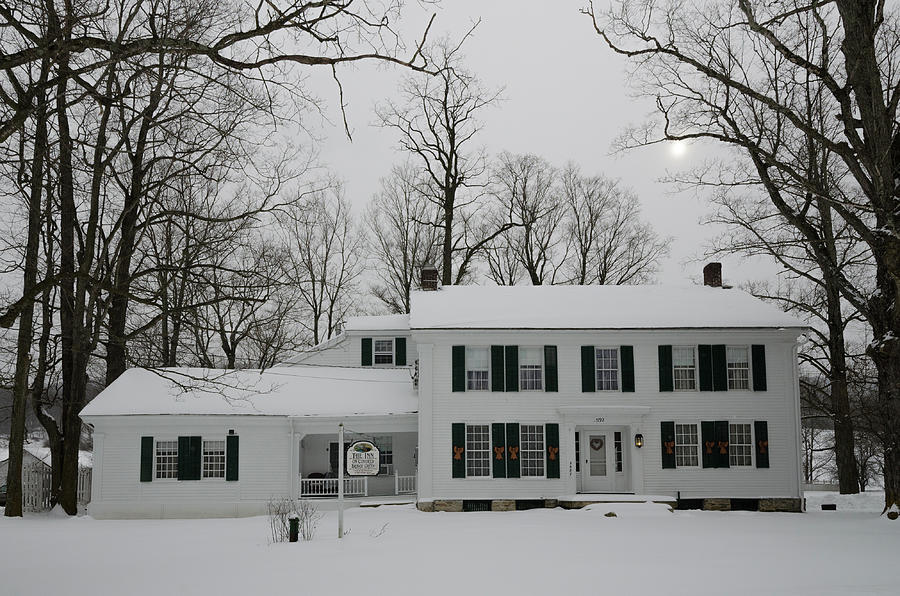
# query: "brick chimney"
{"points": [[712, 275], [429, 278]]}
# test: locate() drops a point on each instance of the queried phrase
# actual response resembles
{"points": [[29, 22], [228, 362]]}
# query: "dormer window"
{"points": [[384, 352]]}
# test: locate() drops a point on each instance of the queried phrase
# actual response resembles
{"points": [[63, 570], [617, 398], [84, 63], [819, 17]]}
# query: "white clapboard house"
{"points": [[480, 398]]}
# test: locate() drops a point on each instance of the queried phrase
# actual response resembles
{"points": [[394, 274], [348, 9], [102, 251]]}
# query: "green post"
{"points": [[293, 528]]}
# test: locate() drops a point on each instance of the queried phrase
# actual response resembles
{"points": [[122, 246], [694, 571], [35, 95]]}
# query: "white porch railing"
{"points": [[404, 485], [328, 487]]}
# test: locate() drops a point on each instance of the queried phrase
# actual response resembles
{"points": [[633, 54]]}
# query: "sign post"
{"points": [[340, 480]]}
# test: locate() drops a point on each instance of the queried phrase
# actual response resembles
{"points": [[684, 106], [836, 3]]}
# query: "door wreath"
{"points": [[597, 443]]}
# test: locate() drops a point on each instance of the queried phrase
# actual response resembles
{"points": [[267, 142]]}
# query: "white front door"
{"points": [[603, 463]]}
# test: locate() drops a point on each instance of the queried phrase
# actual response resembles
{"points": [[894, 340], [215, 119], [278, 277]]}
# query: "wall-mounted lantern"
{"points": [[639, 440]]}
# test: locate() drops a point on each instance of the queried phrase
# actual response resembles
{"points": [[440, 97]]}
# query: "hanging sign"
{"points": [[362, 459]]}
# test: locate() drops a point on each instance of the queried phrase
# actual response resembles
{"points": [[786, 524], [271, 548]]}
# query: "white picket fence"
{"points": [[36, 481]]}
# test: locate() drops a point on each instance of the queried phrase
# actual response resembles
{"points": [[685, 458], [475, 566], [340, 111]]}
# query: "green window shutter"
{"points": [[721, 449], [366, 351], [190, 458], [459, 368], [761, 430], [665, 370], [512, 450], [588, 372], [497, 371], [708, 444], [458, 453], [146, 459], [719, 368], [758, 358], [551, 431], [512, 368], [626, 353], [196, 457], [400, 351], [184, 447], [231, 457], [498, 451], [667, 440], [704, 358], [551, 370]]}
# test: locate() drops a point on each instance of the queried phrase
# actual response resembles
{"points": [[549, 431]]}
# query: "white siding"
{"points": [[263, 469], [440, 407], [347, 351]]}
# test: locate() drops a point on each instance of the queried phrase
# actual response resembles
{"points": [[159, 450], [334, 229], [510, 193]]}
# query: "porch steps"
{"points": [[584, 499]]}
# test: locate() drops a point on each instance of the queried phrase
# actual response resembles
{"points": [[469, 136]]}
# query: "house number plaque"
{"points": [[600, 419]]}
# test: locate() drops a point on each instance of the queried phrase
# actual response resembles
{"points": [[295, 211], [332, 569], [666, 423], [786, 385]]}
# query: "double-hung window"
{"points": [[478, 450], [740, 445], [607, 365], [167, 459], [383, 351], [738, 367], [687, 451], [684, 368], [477, 369], [531, 449], [214, 459], [531, 365]]}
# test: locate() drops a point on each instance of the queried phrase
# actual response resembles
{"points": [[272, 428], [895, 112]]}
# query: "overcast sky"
{"points": [[566, 99]]}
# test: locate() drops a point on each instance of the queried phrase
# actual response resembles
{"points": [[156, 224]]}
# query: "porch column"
{"points": [[425, 488]]}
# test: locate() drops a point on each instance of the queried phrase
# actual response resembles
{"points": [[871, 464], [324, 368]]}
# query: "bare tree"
{"points": [[402, 236], [529, 202], [608, 242], [438, 120], [321, 259]]}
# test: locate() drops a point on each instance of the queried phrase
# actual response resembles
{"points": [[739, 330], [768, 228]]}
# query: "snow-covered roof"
{"points": [[377, 323], [592, 307], [281, 391]]}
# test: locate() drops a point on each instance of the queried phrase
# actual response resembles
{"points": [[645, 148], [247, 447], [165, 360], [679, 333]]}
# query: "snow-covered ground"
{"points": [[397, 550]]}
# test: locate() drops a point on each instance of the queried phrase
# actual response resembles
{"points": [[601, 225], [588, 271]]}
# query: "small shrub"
{"points": [[309, 517]]}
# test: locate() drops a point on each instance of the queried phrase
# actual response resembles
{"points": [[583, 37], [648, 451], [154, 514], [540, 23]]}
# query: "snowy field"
{"points": [[398, 550]]}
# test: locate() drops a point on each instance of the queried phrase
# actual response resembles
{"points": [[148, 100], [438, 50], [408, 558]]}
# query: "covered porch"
{"points": [[317, 452]]}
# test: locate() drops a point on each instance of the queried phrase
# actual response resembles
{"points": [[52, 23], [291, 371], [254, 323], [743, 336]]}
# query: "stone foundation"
{"points": [[426, 506], [551, 503], [503, 505], [716, 504], [447, 505], [783, 505]]}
